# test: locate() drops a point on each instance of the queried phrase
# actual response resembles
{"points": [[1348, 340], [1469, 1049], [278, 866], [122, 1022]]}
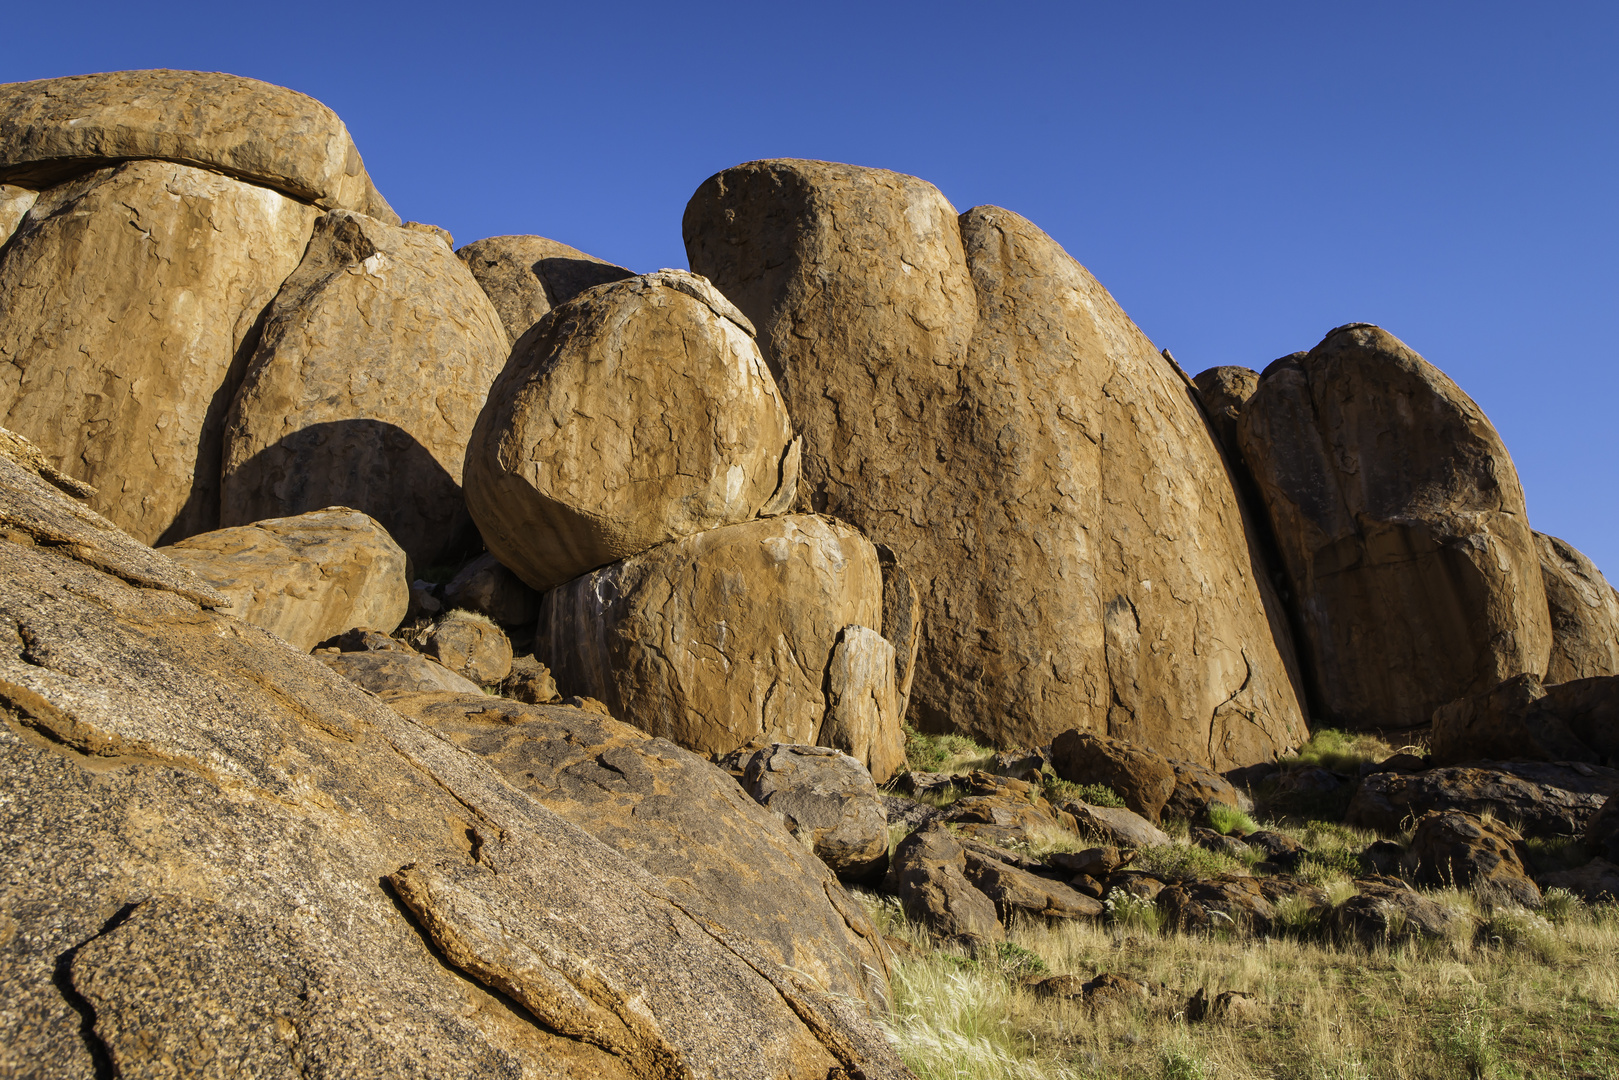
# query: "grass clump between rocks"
{"points": [[1058, 791], [943, 753], [1227, 819]]}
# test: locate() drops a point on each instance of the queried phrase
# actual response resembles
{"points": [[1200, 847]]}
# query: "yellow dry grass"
{"points": [[1523, 997]]}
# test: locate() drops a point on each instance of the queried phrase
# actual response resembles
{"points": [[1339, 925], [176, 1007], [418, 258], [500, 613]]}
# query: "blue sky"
{"points": [[1242, 177]]}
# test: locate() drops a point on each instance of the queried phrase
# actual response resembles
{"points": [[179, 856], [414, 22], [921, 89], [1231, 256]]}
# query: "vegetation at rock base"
{"points": [[1528, 995], [943, 753]]}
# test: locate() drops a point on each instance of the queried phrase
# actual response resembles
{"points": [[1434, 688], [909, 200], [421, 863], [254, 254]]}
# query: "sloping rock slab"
{"points": [[726, 858], [397, 672], [1540, 798], [210, 838]]}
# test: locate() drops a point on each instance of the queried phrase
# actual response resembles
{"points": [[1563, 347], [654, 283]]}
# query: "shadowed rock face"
{"points": [[1584, 612], [131, 300], [1402, 529], [224, 857], [526, 276], [52, 129], [376, 357], [971, 398]]}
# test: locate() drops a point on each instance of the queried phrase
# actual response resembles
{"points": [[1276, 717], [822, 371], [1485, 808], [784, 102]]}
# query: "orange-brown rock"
{"points": [[1225, 390], [304, 578], [52, 129], [14, 203], [1584, 612], [129, 295], [724, 639], [526, 276], [638, 412], [376, 357], [1400, 519], [973, 399]]}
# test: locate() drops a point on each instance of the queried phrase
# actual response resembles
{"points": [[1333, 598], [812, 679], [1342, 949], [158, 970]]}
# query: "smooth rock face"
{"points": [[151, 277], [719, 640], [304, 578], [955, 385], [1402, 529], [488, 588], [376, 357], [526, 276], [724, 856], [639, 412], [470, 645], [863, 717], [828, 801], [1584, 612], [52, 129], [1225, 390], [214, 839]]}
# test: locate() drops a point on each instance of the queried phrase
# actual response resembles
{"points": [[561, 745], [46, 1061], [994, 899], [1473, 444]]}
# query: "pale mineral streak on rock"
{"points": [[153, 276], [14, 203]]}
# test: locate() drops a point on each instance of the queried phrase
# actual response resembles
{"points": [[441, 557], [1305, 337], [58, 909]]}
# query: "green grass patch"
{"points": [[1340, 751], [1229, 820], [1183, 861], [1059, 791], [943, 753]]}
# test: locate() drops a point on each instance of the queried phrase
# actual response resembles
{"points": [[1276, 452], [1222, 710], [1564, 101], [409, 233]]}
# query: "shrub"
{"points": [[1559, 906], [1228, 819], [1182, 861], [1059, 791], [1127, 911]]}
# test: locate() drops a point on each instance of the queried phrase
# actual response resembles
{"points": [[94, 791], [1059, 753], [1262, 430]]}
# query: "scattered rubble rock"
{"points": [[1602, 834], [390, 672], [928, 876], [1387, 911], [1507, 722], [1459, 850], [1595, 882], [1196, 787], [1014, 889], [1219, 843], [1219, 904], [909, 813], [1115, 824], [529, 682], [470, 645]]}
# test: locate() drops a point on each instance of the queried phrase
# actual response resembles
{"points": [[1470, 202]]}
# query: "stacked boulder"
{"points": [[633, 462], [972, 399]]}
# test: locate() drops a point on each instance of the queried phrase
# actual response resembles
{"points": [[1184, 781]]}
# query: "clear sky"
{"points": [[1242, 177]]}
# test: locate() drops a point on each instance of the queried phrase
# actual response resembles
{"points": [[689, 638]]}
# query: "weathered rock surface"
{"points": [[1595, 882], [304, 578], [54, 129], [1015, 889], [1402, 528], [1460, 850], [863, 717], [376, 356], [1387, 911], [1524, 720], [14, 203], [212, 839], [1196, 787], [1115, 824], [928, 876], [1225, 390], [131, 295], [719, 640], [1584, 612], [827, 800], [640, 412], [406, 672], [1602, 834], [1542, 798], [1143, 779], [488, 588], [530, 682], [470, 645], [526, 276], [1226, 903], [902, 621], [727, 859], [955, 385]]}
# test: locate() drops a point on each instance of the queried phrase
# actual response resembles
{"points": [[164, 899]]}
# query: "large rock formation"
{"points": [[53, 129], [223, 859], [638, 412], [1225, 390], [304, 578], [14, 203], [687, 822], [527, 276], [972, 398], [376, 356], [1584, 612], [720, 640], [130, 302], [1402, 529]]}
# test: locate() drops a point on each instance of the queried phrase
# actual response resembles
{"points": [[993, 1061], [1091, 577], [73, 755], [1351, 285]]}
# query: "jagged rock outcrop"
{"points": [[1401, 523], [526, 276], [638, 412], [725, 857], [376, 357], [304, 578], [1584, 612], [216, 842], [53, 129], [828, 801], [720, 640], [131, 297], [928, 876], [973, 399]]}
